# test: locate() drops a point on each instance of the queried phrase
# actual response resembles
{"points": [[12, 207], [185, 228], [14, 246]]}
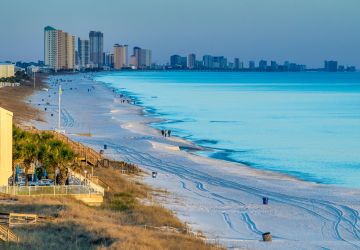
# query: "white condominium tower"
{"points": [[59, 49]]}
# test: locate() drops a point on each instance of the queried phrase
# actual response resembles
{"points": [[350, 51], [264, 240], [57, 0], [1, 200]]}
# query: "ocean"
{"points": [[305, 124]]}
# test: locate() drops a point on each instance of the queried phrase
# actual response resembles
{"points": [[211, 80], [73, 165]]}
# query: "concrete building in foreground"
{"points": [[59, 49], [7, 70], [6, 120]]}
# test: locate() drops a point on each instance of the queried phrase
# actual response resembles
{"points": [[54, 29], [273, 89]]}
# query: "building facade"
{"points": [[142, 58], [208, 61], [331, 66], [7, 70], [84, 53], [59, 49], [96, 39], [6, 118], [120, 56], [191, 61]]}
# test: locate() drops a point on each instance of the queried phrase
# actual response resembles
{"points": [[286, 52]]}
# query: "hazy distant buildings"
{"points": [[191, 61], [214, 62], [83, 53], [96, 39], [236, 63], [120, 56], [273, 66], [59, 49], [219, 62], [331, 66], [262, 65], [251, 65]]}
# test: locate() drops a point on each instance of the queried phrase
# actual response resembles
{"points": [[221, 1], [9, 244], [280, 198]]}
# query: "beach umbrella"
{"points": [[35, 179], [17, 170], [44, 173]]}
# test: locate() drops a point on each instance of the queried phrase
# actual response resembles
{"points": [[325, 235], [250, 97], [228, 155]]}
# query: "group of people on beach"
{"points": [[166, 133]]}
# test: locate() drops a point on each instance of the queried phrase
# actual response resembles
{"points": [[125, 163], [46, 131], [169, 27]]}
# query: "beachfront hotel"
{"points": [[7, 70], [120, 56], [96, 39], [59, 49]]}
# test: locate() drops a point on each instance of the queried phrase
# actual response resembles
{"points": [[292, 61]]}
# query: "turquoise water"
{"points": [[303, 124]]}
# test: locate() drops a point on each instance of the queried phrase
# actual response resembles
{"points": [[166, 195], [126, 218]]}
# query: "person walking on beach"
{"points": [[169, 133], [162, 132]]}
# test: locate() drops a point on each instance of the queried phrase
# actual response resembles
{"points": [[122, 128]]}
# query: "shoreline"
{"points": [[205, 192], [193, 146]]}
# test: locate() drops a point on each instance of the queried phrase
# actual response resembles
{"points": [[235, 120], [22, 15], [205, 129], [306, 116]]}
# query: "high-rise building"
{"points": [[133, 61], [219, 62], [177, 61], [273, 66], [84, 53], [251, 65], [191, 61], [142, 58], [331, 66], [96, 39], [236, 63], [146, 58], [120, 56], [208, 61], [59, 49], [136, 62], [262, 65], [241, 65], [126, 55], [109, 60]]}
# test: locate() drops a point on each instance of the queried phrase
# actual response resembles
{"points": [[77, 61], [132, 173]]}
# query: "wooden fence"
{"points": [[14, 219]]}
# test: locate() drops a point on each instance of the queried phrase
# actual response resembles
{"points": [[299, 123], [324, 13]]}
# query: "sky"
{"points": [[302, 31]]}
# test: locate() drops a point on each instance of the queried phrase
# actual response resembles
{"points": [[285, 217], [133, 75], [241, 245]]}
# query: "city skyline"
{"points": [[254, 36]]}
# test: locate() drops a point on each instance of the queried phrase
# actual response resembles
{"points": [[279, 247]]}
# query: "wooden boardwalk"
{"points": [[6, 234], [84, 153]]}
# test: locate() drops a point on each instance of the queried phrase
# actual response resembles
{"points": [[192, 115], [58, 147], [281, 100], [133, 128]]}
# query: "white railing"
{"points": [[49, 190], [9, 84], [88, 182]]}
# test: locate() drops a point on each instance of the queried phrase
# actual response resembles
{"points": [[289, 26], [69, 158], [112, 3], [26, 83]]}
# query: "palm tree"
{"points": [[30, 156], [61, 157], [19, 139]]}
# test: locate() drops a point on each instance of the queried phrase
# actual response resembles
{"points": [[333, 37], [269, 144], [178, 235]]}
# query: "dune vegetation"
{"points": [[129, 218]]}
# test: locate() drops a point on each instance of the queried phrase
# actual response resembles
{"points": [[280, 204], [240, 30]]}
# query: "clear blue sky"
{"points": [[304, 31]]}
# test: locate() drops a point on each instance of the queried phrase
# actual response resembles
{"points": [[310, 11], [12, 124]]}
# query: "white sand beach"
{"points": [[222, 199]]}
